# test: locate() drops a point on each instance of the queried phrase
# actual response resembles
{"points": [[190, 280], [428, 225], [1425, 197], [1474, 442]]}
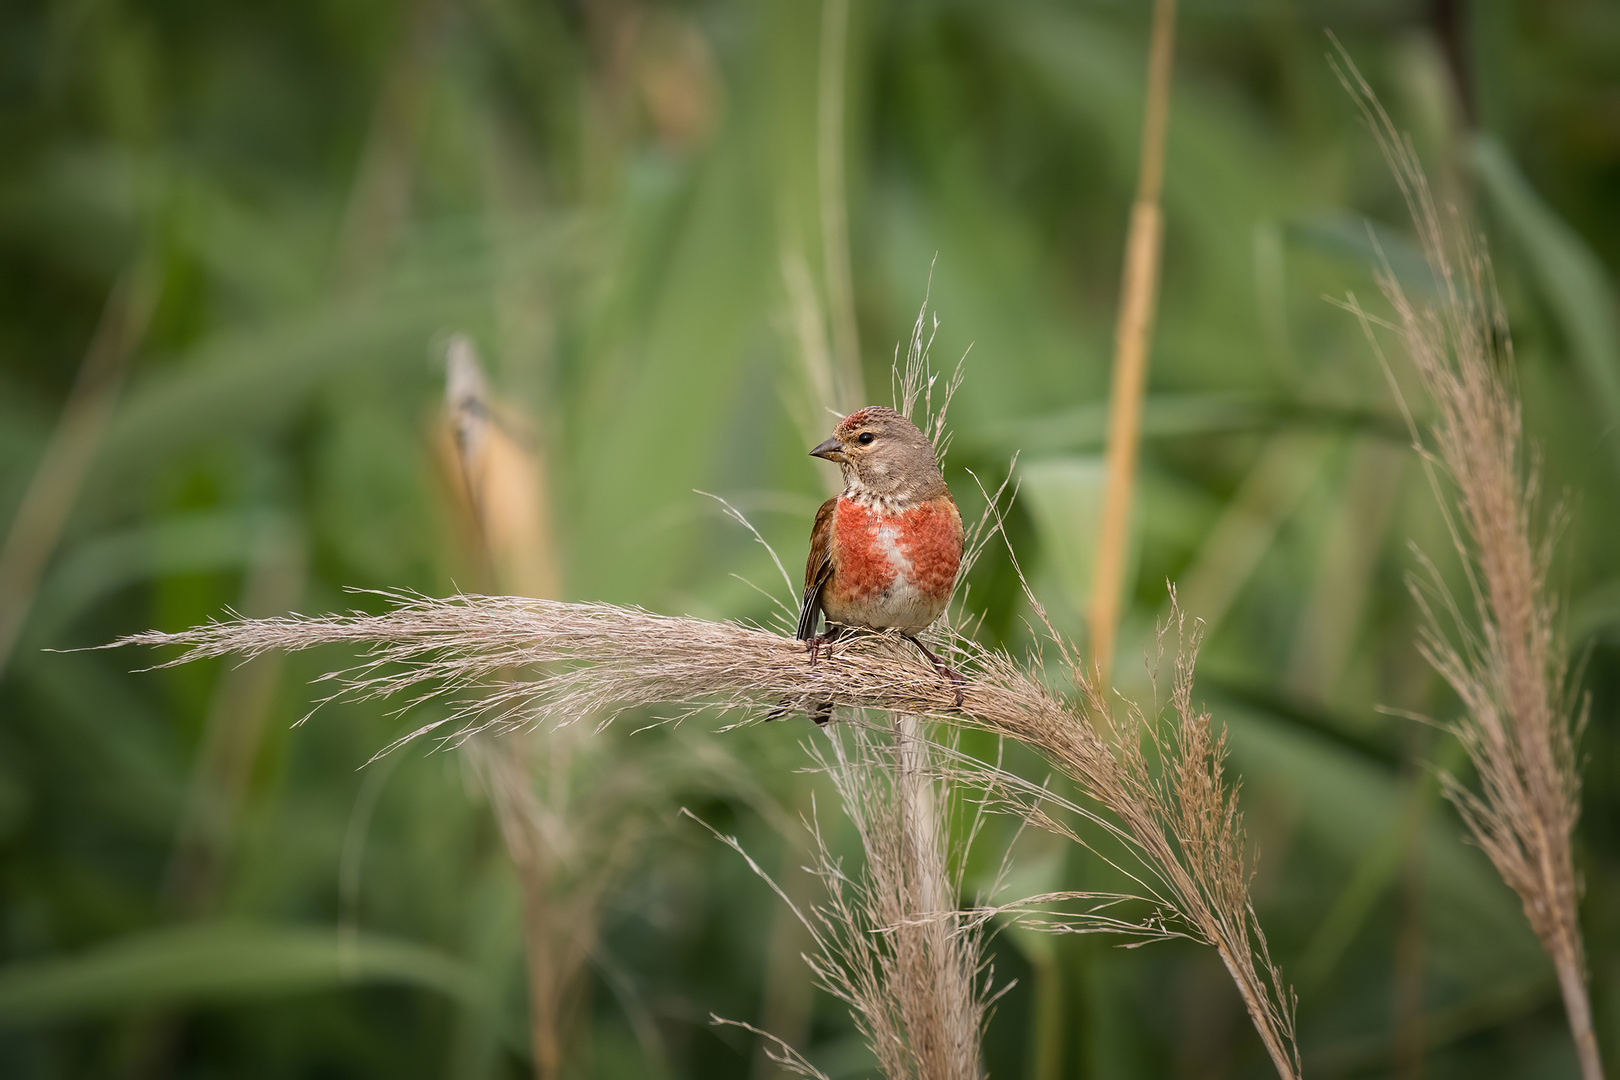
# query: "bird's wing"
{"points": [[817, 569]]}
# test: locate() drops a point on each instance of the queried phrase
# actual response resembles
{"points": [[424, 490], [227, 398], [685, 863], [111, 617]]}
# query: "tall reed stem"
{"points": [[1132, 336]]}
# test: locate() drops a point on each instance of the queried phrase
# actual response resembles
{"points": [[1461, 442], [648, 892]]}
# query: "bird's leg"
{"points": [[816, 643], [940, 668]]}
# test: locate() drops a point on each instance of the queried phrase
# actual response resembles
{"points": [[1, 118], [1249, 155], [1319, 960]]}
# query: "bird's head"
{"points": [[883, 454]]}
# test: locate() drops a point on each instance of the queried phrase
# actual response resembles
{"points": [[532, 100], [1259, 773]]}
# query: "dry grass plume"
{"points": [[1500, 649], [597, 660]]}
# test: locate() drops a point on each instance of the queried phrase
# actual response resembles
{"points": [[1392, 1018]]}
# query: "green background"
{"points": [[603, 194]]}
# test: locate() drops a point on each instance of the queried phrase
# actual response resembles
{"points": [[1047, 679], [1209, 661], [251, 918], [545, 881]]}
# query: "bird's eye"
{"points": [[865, 437]]}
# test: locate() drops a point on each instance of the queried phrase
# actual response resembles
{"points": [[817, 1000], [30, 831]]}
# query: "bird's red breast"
{"points": [[892, 569]]}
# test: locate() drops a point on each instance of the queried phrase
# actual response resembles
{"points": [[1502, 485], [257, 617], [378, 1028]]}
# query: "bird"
{"points": [[884, 552]]}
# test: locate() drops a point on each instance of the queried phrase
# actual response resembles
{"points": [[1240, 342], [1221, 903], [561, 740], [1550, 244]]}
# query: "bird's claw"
{"points": [[942, 669], [816, 644]]}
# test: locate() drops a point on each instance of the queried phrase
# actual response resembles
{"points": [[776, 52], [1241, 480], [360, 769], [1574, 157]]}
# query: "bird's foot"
{"points": [[821, 641], [944, 671], [815, 645]]}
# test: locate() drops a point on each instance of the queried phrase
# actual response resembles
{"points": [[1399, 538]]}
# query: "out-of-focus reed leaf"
{"points": [[1222, 170], [1362, 245], [1170, 416], [1347, 806], [642, 450], [220, 963], [124, 769], [182, 544], [1595, 612], [253, 379], [1061, 492], [1570, 279], [989, 283]]}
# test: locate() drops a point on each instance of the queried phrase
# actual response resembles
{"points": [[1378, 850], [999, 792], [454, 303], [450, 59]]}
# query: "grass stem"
{"points": [[1133, 334]]}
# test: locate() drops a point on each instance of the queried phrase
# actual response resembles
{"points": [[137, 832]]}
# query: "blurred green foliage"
{"points": [[603, 192]]}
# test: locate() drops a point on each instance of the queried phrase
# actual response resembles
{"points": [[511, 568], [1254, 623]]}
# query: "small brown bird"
{"points": [[884, 553]]}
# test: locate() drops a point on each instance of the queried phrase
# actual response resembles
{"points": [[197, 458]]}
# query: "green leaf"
{"points": [[220, 962], [1364, 244], [1347, 807], [1572, 281], [1065, 496]]}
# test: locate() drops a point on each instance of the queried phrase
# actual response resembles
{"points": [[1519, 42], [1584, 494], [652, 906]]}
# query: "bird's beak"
{"points": [[832, 450]]}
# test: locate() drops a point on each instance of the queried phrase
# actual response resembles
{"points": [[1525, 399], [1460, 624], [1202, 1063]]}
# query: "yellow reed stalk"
{"points": [[1132, 336]]}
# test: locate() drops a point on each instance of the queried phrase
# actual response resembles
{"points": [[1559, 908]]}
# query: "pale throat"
{"points": [[891, 499]]}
